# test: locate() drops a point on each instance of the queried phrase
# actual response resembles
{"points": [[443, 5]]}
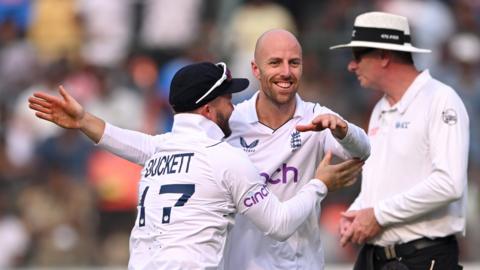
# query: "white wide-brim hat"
{"points": [[381, 30]]}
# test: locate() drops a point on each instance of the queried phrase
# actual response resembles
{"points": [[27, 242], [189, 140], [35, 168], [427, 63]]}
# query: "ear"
{"points": [[386, 58], [206, 111], [255, 69]]}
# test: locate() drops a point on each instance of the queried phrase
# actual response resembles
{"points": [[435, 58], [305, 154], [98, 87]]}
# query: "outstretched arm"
{"points": [[255, 200], [348, 140], [66, 112]]}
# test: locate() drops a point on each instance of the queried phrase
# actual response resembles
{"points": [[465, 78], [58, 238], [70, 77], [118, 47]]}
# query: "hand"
{"points": [[345, 232], [337, 125], [339, 175], [65, 111], [364, 226]]}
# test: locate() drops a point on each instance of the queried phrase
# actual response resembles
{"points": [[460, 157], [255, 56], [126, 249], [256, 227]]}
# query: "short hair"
{"points": [[404, 57]]}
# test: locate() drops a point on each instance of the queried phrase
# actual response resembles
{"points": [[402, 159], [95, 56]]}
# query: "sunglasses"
{"points": [[359, 54], [218, 83]]}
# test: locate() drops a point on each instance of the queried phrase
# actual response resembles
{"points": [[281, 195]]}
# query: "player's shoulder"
{"points": [[243, 111], [226, 156]]}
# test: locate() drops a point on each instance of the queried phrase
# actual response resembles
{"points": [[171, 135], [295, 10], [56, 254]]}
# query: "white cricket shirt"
{"points": [[191, 186], [287, 159], [416, 176]]}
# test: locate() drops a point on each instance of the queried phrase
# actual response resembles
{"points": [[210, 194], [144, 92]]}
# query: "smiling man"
{"points": [[267, 128]]}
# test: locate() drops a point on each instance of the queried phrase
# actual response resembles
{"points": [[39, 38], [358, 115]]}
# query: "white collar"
{"points": [[196, 124], [409, 95]]}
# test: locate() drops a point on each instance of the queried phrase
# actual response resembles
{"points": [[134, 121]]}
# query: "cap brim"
{"points": [[393, 47], [237, 85]]}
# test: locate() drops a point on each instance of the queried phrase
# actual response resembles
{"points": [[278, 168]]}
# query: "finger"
{"points": [[40, 108], [333, 125], [352, 181], [361, 239], [39, 102], [44, 116], [326, 159], [46, 97], [63, 93], [349, 215], [325, 123], [347, 236], [303, 128]]}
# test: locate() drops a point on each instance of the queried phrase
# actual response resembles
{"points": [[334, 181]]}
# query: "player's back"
{"points": [[184, 209]]}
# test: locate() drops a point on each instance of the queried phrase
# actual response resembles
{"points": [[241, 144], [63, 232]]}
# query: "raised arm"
{"points": [[345, 139], [278, 219], [66, 112]]}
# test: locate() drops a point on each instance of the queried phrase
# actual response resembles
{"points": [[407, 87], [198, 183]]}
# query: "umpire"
{"points": [[412, 202]]}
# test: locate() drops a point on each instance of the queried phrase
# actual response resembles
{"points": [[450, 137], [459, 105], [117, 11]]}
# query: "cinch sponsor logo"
{"points": [[281, 175], [254, 198]]}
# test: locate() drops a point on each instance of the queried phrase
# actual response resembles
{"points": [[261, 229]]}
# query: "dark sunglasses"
{"points": [[359, 53]]}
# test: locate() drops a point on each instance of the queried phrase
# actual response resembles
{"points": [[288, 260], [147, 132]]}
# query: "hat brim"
{"points": [[393, 47], [236, 85]]}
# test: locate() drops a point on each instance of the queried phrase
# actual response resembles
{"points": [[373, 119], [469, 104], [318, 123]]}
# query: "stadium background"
{"points": [[65, 203]]}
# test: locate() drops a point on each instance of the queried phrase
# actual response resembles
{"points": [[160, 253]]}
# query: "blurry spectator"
{"points": [[460, 68], [69, 150], [168, 27], [115, 181], [467, 14], [107, 29], [17, 61], [248, 22], [117, 102], [144, 73], [421, 14], [163, 88], [59, 216], [55, 30], [24, 131], [14, 235], [18, 11]]}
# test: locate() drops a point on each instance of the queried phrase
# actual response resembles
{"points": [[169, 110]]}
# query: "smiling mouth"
{"points": [[284, 85]]}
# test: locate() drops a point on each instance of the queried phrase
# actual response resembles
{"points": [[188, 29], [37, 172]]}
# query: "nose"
{"points": [[352, 66], [285, 70]]}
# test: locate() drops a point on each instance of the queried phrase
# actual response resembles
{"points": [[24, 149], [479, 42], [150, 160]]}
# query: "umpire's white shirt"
{"points": [[416, 177], [287, 159], [191, 186]]}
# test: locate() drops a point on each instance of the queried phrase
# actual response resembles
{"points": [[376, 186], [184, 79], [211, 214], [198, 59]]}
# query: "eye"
{"points": [[274, 62], [296, 62]]}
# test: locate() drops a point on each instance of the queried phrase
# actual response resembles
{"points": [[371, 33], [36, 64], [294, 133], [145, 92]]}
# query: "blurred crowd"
{"points": [[64, 202]]}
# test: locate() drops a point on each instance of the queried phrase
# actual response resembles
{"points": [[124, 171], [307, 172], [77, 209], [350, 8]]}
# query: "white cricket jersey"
{"points": [[416, 176], [191, 186], [287, 159]]}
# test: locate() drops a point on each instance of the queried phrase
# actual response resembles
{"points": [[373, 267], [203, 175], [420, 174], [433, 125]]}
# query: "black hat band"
{"points": [[381, 35]]}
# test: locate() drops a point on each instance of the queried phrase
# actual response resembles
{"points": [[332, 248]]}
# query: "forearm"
{"points": [[280, 220], [131, 145], [437, 191], [356, 142], [92, 126]]}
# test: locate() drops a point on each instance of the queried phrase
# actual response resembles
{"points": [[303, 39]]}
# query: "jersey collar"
{"points": [[252, 116], [409, 95], [194, 124]]}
